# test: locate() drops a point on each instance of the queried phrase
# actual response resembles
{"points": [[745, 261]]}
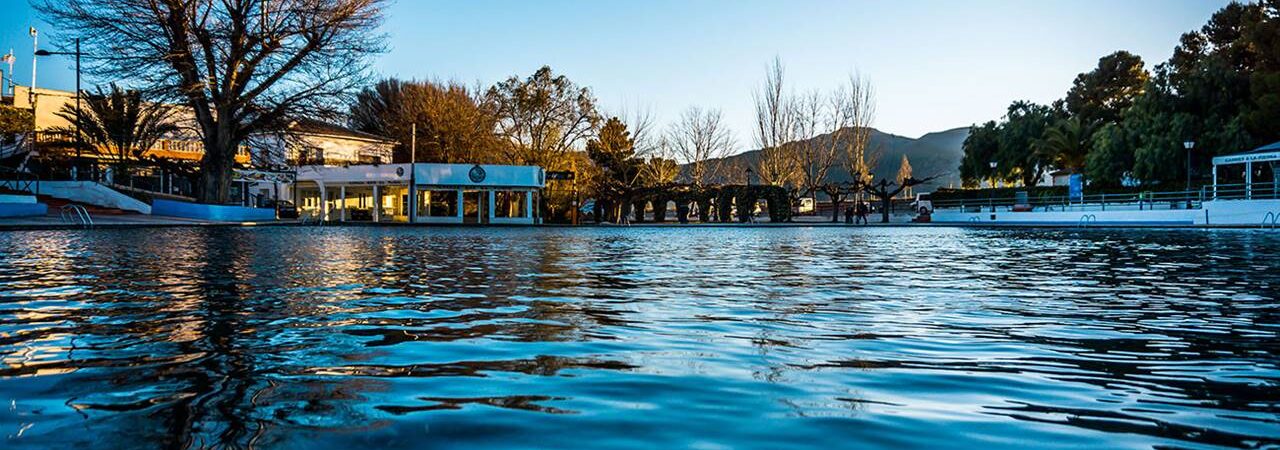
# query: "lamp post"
{"points": [[993, 165], [749, 173], [1189, 145], [77, 54]]}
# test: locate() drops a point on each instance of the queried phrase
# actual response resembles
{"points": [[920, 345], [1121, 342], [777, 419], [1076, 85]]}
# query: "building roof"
{"points": [[1269, 152], [322, 127]]}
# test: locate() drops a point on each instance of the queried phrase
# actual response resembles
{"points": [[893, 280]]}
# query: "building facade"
{"points": [[419, 193]]}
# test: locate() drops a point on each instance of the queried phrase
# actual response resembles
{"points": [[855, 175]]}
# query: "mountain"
{"points": [[937, 153]]}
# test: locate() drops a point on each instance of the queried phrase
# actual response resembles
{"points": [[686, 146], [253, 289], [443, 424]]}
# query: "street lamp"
{"points": [[749, 172], [77, 54], [993, 165], [1189, 145]]}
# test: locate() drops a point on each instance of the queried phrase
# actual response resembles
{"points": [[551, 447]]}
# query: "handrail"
{"points": [[76, 214], [19, 180], [1270, 220]]}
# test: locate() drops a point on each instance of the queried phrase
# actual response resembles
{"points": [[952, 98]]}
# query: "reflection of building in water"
{"points": [[442, 193]]}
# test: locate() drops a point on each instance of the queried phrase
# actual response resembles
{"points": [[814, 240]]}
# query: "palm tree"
{"points": [[1066, 144], [119, 125]]}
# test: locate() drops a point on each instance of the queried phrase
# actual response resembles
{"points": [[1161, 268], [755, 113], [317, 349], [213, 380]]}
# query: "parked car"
{"points": [[923, 204]]}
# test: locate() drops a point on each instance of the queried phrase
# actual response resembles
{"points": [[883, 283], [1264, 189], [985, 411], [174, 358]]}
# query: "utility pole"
{"points": [[8, 58], [413, 171]]}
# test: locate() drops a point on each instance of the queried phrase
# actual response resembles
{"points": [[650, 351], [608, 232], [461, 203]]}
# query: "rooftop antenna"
{"points": [[8, 58]]}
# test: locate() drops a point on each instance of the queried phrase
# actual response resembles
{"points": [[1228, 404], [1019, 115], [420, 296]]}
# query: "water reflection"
{"points": [[410, 338]]}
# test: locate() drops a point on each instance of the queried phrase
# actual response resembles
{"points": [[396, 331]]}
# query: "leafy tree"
{"points": [[243, 67], [118, 125], [980, 149], [1111, 161], [453, 124], [1066, 143], [14, 121], [542, 117], [1024, 126], [1102, 94], [613, 152]]}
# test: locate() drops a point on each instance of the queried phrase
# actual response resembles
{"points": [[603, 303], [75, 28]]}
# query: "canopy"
{"points": [[1270, 152]]}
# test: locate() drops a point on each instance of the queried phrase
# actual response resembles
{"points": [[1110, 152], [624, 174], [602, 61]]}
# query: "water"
{"points": [[346, 338]]}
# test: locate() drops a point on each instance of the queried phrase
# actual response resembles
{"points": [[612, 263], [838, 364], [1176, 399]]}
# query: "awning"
{"points": [[1270, 152]]}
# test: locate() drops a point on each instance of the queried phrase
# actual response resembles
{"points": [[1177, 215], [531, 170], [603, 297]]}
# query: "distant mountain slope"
{"points": [[937, 153]]}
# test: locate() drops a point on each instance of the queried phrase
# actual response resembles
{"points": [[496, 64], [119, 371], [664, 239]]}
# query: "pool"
{"points": [[342, 338]]}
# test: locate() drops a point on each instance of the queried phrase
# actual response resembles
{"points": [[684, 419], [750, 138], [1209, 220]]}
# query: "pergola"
{"points": [[1267, 154]]}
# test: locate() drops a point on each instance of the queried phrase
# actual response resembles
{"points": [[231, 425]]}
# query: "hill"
{"points": [[936, 153]]}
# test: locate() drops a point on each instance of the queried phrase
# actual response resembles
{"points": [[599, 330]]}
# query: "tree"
{"points": [[904, 173], [981, 148], [1023, 127], [118, 125], [885, 191], [542, 117], [1099, 96], [242, 66], [613, 152], [453, 124], [775, 128], [701, 141], [1066, 144]]}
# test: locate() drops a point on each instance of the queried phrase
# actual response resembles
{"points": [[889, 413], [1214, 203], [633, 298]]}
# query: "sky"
{"points": [[934, 65]]}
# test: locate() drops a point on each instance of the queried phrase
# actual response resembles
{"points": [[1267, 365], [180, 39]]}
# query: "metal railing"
{"points": [[76, 215], [1091, 202], [19, 181], [1254, 191]]}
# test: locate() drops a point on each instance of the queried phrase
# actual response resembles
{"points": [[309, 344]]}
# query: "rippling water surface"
{"points": [[316, 338]]}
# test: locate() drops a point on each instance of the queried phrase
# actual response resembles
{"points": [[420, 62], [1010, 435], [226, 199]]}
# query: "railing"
{"points": [[193, 147], [1255, 191], [19, 181], [76, 214], [1093, 202]]}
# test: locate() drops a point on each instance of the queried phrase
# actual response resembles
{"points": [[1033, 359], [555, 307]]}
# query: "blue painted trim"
{"points": [[220, 213], [23, 209]]}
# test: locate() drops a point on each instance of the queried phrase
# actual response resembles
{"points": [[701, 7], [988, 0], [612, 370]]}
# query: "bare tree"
{"points": [[861, 110], [822, 123], [775, 128], [660, 166], [701, 141], [242, 66]]}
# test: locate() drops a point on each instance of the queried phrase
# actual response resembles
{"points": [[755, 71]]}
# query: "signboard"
{"points": [[256, 176], [560, 175], [1075, 187]]}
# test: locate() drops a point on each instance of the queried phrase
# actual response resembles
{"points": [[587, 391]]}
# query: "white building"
{"points": [[442, 193]]}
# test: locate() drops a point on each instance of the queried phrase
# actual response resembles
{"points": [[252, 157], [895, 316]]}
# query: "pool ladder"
{"points": [[1270, 221], [1087, 219], [76, 215]]}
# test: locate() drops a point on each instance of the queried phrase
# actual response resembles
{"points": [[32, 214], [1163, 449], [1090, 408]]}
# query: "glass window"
{"points": [[509, 204], [437, 203]]}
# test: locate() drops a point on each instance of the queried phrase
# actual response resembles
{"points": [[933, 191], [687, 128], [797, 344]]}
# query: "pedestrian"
{"points": [[848, 215], [862, 213]]}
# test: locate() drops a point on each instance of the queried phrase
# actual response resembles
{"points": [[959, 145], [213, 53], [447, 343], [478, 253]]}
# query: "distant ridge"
{"points": [[936, 153]]}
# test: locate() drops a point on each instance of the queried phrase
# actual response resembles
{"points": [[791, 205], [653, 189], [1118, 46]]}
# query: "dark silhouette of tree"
{"points": [[243, 67], [885, 191]]}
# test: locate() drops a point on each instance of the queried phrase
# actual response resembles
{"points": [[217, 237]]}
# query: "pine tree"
{"points": [[904, 172]]}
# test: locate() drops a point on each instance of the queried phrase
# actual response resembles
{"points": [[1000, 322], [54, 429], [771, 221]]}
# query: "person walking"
{"points": [[848, 215], [862, 213]]}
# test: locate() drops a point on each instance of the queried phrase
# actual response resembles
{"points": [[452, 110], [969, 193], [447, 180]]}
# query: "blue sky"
{"points": [[935, 64]]}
